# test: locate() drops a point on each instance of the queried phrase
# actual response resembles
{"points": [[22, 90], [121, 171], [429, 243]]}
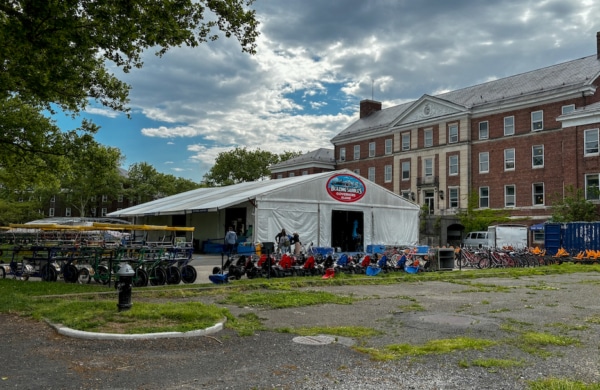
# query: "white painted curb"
{"points": [[144, 336]]}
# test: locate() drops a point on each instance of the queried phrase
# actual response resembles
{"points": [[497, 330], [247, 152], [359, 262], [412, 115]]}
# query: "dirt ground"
{"points": [[503, 310]]}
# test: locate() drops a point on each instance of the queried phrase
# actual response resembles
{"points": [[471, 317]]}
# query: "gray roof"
{"points": [[576, 74], [321, 155]]}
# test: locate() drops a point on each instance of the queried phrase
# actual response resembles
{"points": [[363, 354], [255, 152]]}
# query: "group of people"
{"points": [[286, 242]]}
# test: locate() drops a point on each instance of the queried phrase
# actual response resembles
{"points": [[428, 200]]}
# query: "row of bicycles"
{"points": [[504, 258], [153, 264]]}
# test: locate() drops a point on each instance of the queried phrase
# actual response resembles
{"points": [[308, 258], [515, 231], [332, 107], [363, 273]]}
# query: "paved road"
{"points": [[503, 310]]}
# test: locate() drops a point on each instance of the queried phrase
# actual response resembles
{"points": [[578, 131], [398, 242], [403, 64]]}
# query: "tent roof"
{"points": [[216, 198]]}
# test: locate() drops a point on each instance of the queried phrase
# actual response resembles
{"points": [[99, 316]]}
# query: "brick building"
{"points": [[516, 141], [317, 161]]}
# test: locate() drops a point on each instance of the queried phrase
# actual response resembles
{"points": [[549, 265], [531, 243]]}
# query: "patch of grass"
{"points": [[478, 287], [397, 351], [492, 364], [280, 300], [485, 302], [412, 307], [561, 384], [246, 324], [566, 327], [595, 319], [535, 342], [341, 331], [501, 310]]}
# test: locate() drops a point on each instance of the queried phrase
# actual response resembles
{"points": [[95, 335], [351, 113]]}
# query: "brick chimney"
{"points": [[598, 45], [369, 106]]}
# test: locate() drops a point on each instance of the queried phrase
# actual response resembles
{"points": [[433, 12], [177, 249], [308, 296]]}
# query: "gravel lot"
{"points": [[34, 356]]}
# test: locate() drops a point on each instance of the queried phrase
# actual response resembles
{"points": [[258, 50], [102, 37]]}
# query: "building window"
{"points": [[357, 152], [406, 194], [68, 212], [484, 162], [388, 174], [93, 199], [509, 125], [453, 165], [509, 196], [357, 171], [53, 199], [304, 173], [371, 174], [342, 154], [428, 134], [537, 156], [103, 212], [280, 176], [537, 120], [371, 149], [405, 170], [568, 109], [120, 199], [406, 141], [388, 146], [592, 184], [509, 159], [453, 134], [428, 167], [453, 197], [291, 174], [591, 142], [539, 236], [51, 212], [483, 130], [538, 194], [484, 197], [104, 198], [93, 211]]}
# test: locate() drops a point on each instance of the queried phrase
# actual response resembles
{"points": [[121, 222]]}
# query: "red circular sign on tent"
{"points": [[346, 188]]}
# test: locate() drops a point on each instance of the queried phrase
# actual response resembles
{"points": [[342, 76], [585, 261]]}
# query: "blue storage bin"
{"points": [[323, 250], [380, 249], [422, 250]]}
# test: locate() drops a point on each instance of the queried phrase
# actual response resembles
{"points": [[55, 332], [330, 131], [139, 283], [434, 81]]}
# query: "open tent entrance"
{"points": [[236, 218], [347, 230]]}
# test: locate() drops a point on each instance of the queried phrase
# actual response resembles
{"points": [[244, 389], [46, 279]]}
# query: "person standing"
{"points": [[296, 244], [283, 241], [230, 241]]}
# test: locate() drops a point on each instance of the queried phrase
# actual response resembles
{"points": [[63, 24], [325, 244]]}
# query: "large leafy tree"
{"points": [[242, 165], [573, 206], [145, 183]]}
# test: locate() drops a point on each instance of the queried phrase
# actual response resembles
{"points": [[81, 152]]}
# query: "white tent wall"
{"points": [[274, 215]]}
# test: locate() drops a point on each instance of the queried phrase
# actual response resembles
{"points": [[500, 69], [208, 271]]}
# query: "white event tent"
{"points": [[331, 209]]}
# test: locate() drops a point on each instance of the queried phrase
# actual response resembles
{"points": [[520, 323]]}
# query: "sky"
{"points": [[316, 60]]}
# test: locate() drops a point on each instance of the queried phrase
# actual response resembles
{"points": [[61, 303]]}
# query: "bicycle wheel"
{"points": [[188, 274], [70, 273], [158, 276], [48, 273], [484, 263], [173, 275], [140, 279], [83, 276], [102, 274]]}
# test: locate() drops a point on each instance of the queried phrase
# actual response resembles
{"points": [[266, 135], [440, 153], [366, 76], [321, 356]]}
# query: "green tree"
{"points": [[574, 207], [474, 218], [241, 165], [92, 171], [145, 183]]}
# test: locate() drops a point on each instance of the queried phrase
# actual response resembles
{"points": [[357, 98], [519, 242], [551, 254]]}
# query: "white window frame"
{"points": [[453, 165], [484, 162], [53, 199], [590, 142], [120, 198], [537, 120], [567, 109], [405, 141], [68, 212], [537, 160], [387, 177], [388, 146], [342, 154], [509, 125], [484, 130], [509, 159], [280, 176], [104, 198], [592, 186], [51, 212], [371, 174], [94, 211], [371, 149], [291, 174], [453, 134], [510, 200], [428, 167], [357, 152], [538, 196], [405, 170], [428, 138], [304, 173], [484, 198], [104, 212], [453, 197]]}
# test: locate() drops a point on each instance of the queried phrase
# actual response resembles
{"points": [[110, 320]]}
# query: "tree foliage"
{"points": [[242, 165], [474, 218], [573, 207], [145, 183], [57, 51]]}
